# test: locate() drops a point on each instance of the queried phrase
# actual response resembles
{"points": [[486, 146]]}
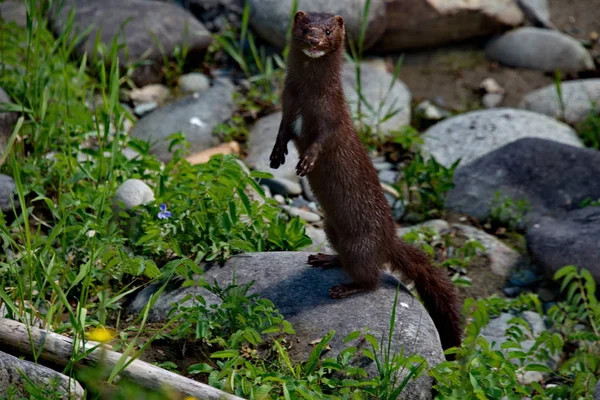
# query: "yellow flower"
{"points": [[101, 334]]}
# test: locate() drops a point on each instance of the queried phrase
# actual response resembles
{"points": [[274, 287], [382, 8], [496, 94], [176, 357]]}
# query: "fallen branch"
{"points": [[58, 349]]}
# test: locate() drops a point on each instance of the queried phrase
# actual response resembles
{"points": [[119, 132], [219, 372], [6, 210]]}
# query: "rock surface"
{"points": [[260, 144], [7, 120], [193, 82], [537, 11], [195, 115], [579, 97], [270, 18], [133, 193], [7, 193], [375, 83], [472, 135], [320, 244], [420, 23], [43, 377], [502, 258], [571, 240], [14, 11], [542, 49], [170, 25], [300, 292], [552, 177]]}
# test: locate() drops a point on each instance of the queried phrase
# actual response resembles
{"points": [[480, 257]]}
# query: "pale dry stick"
{"points": [[57, 349]]}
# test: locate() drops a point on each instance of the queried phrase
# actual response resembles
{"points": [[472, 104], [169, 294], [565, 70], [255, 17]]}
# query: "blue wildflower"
{"points": [[164, 214]]}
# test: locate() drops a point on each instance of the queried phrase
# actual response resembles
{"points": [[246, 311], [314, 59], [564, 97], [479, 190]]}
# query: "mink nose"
{"points": [[314, 41]]}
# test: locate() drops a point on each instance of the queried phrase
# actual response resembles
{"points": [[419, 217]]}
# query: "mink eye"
{"points": [[304, 31], [328, 32]]}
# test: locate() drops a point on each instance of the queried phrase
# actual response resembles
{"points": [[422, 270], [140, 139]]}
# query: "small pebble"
{"points": [[388, 176], [283, 186], [132, 193], [492, 100], [279, 198], [145, 108], [304, 215], [150, 93], [193, 82], [380, 166], [512, 291]]}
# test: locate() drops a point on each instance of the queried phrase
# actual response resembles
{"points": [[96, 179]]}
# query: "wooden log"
{"points": [[57, 349]]}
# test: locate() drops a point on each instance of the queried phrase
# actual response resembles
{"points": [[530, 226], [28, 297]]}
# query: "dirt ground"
{"points": [[450, 76]]}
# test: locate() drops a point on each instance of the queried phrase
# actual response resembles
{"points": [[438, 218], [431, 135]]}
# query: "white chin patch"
{"points": [[313, 53]]}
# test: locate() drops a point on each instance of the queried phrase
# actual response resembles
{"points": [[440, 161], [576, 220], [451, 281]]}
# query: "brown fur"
{"points": [[358, 220]]}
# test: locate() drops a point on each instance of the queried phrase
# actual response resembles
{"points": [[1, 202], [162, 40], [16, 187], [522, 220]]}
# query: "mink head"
{"points": [[317, 34]]}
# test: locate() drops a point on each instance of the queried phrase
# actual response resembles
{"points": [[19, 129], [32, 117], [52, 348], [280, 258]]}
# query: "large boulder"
{"points": [[579, 98], [471, 135], [419, 23], [542, 49], [140, 24], [573, 239], [196, 116], [300, 293], [551, 177], [271, 18]]}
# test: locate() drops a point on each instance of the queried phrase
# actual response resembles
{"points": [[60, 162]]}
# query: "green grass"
{"points": [[70, 256]]}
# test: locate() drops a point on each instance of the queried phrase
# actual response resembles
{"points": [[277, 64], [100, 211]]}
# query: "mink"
{"points": [[358, 219]]}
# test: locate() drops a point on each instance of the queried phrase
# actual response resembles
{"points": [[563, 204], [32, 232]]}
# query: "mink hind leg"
{"points": [[322, 260], [363, 265]]}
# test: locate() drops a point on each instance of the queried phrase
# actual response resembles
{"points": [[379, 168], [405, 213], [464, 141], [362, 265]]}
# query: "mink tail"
{"points": [[434, 288]]}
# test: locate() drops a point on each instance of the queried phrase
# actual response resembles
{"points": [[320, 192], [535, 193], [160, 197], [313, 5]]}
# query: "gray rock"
{"points": [[145, 108], [492, 100], [541, 49], [196, 116], [146, 24], [502, 258], [580, 97], [320, 244], [537, 11], [7, 193], [551, 177], [416, 24], [303, 214], [571, 240], [388, 176], [7, 120], [300, 292], [476, 133], [535, 321], [374, 87], [193, 82], [132, 193], [44, 378], [260, 144], [14, 11], [597, 391], [270, 18]]}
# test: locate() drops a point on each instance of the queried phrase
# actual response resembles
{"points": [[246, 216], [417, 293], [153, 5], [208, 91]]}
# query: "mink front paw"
{"points": [[306, 164], [278, 155]]}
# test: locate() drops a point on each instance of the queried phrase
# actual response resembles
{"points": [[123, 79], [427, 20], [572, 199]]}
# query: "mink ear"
{"points": [[339, 20], [299, 15]]}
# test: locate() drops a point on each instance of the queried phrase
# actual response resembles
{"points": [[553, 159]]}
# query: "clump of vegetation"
{"points": [[506, 212]]}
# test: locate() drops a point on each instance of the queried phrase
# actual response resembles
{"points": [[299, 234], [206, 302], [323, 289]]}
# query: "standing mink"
{"points": [[358, 219]]}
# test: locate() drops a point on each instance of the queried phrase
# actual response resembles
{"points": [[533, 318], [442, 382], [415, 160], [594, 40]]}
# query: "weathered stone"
{"points": [[476, 133], [420, 23], [571, 240], [579, 98], [551, 177], [7, 193], [132, 193], [140, 24], [196, 116], [542, 49], [300, 293], [271, 18]]}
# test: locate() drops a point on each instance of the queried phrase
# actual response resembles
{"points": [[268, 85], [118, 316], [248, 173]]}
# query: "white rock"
{"points": [[132, 193]]}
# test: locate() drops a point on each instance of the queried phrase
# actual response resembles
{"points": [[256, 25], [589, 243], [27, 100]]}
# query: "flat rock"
{"points": [[571, 240], [551, 177], [580, 97], [148, 22], [375, 83], [421, 23], [42, 377], [542, 49], [7, 193], [196, 116], [476, 133], [300, 293], [7, 120], [502, 258], [270, 18]]}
